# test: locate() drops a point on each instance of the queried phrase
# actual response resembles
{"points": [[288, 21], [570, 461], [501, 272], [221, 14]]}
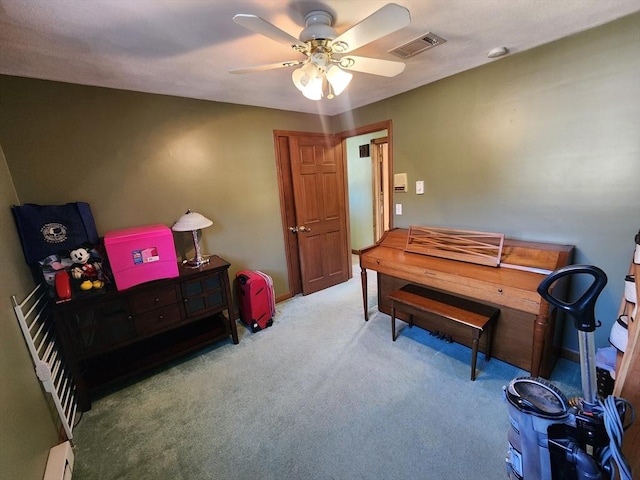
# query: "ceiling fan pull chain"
{"points": [[330, 94]]}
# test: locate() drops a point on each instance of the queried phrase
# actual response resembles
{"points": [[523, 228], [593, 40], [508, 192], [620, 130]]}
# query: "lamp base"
{"points": [[196, 262]]}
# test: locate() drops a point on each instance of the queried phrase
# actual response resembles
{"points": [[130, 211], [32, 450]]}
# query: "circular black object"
{"points": [[537, 397]]}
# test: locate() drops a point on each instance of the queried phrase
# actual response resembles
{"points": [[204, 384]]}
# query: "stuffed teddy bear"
{"points": [[85, 269]]}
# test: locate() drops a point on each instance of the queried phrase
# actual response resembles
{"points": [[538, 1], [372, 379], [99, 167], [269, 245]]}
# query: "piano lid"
{"points": [[537, 257]]}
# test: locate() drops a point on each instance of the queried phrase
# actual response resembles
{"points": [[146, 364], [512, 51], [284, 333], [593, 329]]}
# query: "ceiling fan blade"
{"points": [[374, 66], [268, 66], [387, 20], [261, 26]]}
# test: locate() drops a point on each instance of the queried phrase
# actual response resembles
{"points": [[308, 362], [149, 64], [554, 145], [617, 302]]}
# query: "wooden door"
{"points": [[317, 175], [296, 265]]}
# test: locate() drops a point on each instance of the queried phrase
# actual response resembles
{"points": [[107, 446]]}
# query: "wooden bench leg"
{"points": [[474, 352], [393, 322]]}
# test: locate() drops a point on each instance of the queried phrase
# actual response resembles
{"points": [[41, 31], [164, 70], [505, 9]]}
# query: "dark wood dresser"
{"points": [[113, 335]]}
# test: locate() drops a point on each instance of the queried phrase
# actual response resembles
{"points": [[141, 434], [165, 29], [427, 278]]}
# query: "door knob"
{"points": [[301, 228]]}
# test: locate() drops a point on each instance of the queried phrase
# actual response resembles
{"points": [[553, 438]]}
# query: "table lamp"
{"points": [[192, 222]]}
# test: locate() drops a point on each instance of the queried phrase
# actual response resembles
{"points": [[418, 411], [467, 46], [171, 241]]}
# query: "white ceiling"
{"points": [[187, 47]]}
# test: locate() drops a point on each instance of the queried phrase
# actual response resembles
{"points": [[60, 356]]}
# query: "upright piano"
{"points": [[526, 333]]}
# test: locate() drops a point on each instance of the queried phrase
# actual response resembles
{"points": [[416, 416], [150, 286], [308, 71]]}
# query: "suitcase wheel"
{"points": [[269, 322], [255, 327]]}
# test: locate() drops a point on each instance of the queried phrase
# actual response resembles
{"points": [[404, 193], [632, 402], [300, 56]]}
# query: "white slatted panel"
{"points": [[36, 322]]}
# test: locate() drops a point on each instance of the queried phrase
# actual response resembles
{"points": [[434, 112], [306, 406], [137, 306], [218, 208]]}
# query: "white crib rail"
{"points": [[36, 323]]}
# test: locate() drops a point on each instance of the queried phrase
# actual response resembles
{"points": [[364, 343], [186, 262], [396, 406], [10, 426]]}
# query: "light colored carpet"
{"points": [[319, 395]]}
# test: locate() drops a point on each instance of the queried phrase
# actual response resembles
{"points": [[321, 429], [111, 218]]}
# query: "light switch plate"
{"points": [[398, 209], [420, 187]]}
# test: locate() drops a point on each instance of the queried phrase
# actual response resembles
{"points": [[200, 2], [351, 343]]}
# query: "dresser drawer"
{"points": [[146, 301], [157, 319]]}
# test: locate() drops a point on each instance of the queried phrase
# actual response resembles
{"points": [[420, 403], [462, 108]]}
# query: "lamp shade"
{"points": [[191, 221], [313, 91], [304, 75], [314, 76], [338, 78]]}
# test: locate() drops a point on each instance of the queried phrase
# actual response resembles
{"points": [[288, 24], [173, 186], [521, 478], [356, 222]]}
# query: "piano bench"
{"points": [[479, 317]]}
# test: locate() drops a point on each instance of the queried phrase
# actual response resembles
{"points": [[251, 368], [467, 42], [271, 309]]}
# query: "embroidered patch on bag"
{"points": [[54, 232]]}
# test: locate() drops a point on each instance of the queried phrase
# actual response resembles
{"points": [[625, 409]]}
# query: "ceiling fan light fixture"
{"points": [[313, 90], [338, 78], [320, 74], [302, 77]]}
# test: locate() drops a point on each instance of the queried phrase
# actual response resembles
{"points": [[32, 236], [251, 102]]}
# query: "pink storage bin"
{"points": [[141, 254]]}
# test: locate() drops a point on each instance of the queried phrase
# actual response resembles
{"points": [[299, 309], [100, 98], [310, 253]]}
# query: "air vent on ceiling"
{"points": [[420, 44]]}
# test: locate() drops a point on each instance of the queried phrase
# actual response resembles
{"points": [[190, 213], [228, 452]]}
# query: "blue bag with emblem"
{"points": [[49, 229]]}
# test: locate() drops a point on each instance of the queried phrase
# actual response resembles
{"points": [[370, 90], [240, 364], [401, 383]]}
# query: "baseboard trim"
{"points": [[283, 296], [570, 354]]}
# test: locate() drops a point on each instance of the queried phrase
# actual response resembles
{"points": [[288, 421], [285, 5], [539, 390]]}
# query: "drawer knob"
{"points": [[156, 300]]}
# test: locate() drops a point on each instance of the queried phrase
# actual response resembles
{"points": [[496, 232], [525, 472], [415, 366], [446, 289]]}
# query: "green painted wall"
{"points": [[141, 159], [27, 428], [543, 146]]}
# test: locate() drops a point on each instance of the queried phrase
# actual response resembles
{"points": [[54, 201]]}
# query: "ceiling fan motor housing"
{"points": [[321, 59], [318, 26]]}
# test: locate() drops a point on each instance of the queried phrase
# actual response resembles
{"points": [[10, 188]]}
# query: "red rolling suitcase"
{"points": [[256, 299]]}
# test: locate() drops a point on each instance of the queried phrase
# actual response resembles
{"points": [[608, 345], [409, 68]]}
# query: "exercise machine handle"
{"points": [[583, 309]]}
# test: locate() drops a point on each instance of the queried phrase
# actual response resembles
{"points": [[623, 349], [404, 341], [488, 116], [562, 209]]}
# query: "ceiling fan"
{"points": [[325, 67]]}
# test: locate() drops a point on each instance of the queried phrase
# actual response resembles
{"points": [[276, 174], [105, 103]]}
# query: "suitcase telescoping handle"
{"points": [[583, 309]]}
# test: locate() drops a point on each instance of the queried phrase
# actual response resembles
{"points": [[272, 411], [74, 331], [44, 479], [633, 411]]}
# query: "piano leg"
{"points": [[393, 322], [365, 300]]}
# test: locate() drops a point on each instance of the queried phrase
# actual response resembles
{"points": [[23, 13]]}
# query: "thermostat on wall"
{"points": [[400, 182]]}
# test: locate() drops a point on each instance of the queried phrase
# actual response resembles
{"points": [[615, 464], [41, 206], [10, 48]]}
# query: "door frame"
{"points": [[381, 183], [285, 189], [364, 130]]}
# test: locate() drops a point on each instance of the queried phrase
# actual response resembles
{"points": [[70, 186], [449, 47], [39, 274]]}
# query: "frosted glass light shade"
{"points": [[338, 78], [310, 80], [313, 91], [191, 221], [304, 75]]}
